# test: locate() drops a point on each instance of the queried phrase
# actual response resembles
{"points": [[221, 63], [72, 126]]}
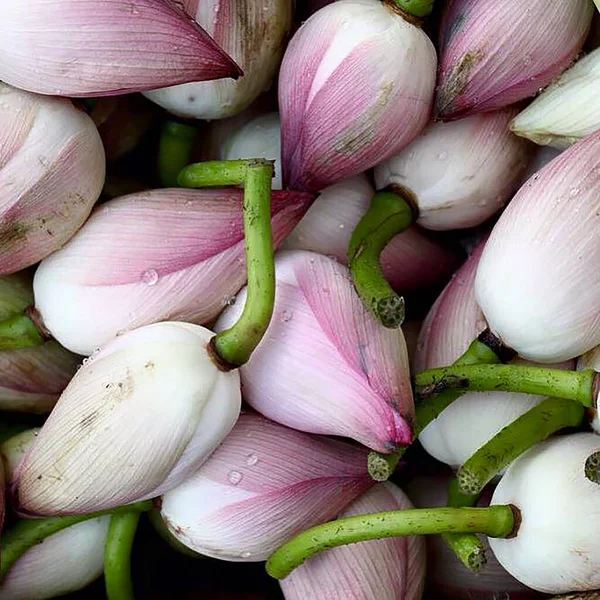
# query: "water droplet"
{"points": [[442, 156], [230, 301], [150, 277], [287, 316], [345, 25], [574, 191], [527, 59], [235, 477], [251, 459], [342, 226], [217, 7], [245, 554]]}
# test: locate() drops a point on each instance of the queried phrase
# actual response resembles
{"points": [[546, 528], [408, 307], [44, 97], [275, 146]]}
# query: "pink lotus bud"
{"points": [[65, 562], [90, 48], [325, 364], [51, 173], [459, 174], [345, 106], [262, 485], [493, 54], [452, 324], [537, 282], [119, 434], [387, 569], [411, 259], [254, 34], [178, 255]]}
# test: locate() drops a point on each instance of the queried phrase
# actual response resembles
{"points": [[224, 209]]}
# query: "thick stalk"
{"points": [[29, 532], [538, 423], [467, 546], [175, 149], [494, 521], [117, 555], [415, 8], [388, 215], [214, 173], [19, 331], [569, 385], [381, 466]]}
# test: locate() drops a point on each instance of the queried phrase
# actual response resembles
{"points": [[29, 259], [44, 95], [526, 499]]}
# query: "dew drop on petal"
{"points": [[150, 277], [251, 459], [235, 477], [287, 316]]}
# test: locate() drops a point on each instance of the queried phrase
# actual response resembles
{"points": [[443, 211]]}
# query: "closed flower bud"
{"points": [[177, 255], [459, 174], [345, 106], [90, 48], [496, 53], [565, 111], [325, 364], [348, 573], [262, 485], [537, 283], [137, 419], [254, 35], [52, 172]]}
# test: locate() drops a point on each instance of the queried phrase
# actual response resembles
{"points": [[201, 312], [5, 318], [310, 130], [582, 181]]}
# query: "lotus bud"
{"points": [[459, 174], [119, 434], [325, 364], [262, 485], [493, 54], [555, 487], [52, 172], [88, 48], [254, 34], [452, 323], [537, 284], [566, 110], [411, 259], [347, 573], [179, 256], [447, 577], [67, 561], [344, 105]]}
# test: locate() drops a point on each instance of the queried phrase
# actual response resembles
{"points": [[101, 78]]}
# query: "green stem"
{"points": [[29, 532], [214, 173], [538, 423], [381, 466], [570, 385], [467, 546], [494, 521], [19, 331], [388, 215], [175, 149], [416, 8], [117, 555]]}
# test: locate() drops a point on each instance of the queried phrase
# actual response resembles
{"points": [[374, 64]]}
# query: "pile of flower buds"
{"points": [[299, 299]]}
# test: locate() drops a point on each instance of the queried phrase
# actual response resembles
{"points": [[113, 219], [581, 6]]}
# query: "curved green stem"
{"points": [[467, 546], [117, 555], [494, 521], [214, 173], [569, 385], [538, 423], [29, 532], [381, 466], [416, 8], [388, 215], [19, 331], [174, 151]]}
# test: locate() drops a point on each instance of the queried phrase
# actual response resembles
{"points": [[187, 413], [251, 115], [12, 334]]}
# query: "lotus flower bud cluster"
{"points": [[345, 106], [460, 173], [51, 174], [263, 484], [254, 35], [496, 53], [325, 365], [119, 434], [89, 48], [180, 256]]}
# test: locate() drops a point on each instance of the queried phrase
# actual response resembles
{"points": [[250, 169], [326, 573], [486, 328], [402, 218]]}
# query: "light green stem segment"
{"points": [[215, 173], [494, 521], [381, 466], [467, 546], [416, 8], [538, 423], [29, 532], [19, 331], [117, 555], [388, 215], [570, 385], [175, 149]]}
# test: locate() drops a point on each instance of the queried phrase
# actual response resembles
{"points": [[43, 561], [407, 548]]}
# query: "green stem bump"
{"points": [[175, 149], [215, 173]]}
